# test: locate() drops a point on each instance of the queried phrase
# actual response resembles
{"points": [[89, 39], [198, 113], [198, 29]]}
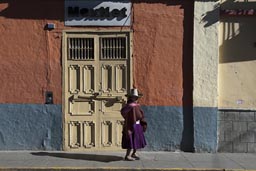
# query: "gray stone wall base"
{"points": [[237, 131]]}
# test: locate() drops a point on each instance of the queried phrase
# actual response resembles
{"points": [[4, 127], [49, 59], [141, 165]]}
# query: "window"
{"points": [[83, 48], [113, 48], [80, 48]]}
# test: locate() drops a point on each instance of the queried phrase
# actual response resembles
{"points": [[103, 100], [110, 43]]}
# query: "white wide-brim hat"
{"points": [[134, 93]]}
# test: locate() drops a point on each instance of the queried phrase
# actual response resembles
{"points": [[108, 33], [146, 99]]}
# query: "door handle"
{"points": [[77, 98], [96, 94], [119, 98], [116, 98], [97, 97]]}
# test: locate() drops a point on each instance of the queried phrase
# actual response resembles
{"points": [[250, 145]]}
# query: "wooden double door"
{"points": [[97, 75]]}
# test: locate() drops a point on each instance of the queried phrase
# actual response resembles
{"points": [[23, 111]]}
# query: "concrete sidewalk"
{"points": [[51, 160]]}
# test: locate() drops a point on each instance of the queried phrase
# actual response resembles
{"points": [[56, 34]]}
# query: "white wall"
{"points": [[206, 22]]}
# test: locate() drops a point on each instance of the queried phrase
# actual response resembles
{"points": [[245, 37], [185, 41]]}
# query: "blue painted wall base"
{"points": [[30, 127], [165, 127], [39, 127], [205, 129]]}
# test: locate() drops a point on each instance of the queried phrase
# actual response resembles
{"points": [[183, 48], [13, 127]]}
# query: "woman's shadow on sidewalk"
{"points": [[89, 157]]}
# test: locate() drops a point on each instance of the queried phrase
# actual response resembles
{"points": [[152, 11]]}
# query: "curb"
{"points": [[113, 169]]}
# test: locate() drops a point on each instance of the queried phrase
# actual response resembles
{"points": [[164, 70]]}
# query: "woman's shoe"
{"points": [[128, 158], [135, 156]]}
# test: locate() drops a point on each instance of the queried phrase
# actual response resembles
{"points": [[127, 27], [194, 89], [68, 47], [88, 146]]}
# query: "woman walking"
{"points": [[133, 132]]}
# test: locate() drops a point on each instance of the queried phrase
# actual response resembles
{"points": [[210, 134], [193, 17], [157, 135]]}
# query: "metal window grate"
{"points": [[113, 48], [80, 48]]}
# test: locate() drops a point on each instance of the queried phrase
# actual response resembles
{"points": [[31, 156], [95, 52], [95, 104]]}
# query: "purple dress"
{"points": [[133, 135]]}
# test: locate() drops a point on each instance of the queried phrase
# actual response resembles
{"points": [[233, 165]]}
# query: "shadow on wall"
{"points": [[54, 10], [236, 43], [187, 142], [37, 9], [33, 9]]}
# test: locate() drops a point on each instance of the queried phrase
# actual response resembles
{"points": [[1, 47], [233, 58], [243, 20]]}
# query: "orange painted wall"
{"points": [[31, 56], [158, 51]]}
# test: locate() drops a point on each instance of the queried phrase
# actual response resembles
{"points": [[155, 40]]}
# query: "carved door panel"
{"points": [[96, 77]]}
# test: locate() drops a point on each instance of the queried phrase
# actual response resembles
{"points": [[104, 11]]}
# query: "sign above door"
{"points": [[97, 13]]}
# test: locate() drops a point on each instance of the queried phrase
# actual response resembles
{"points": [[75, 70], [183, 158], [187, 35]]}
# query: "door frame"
{"points": [[65, 34]]}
